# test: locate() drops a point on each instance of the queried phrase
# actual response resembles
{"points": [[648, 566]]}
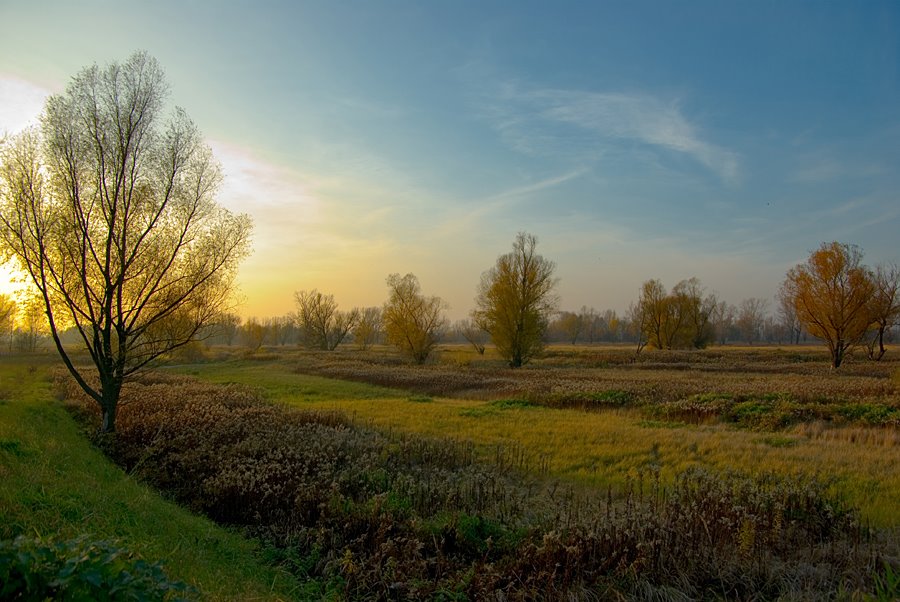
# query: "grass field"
{"points": [[55, 484], [612, 445]]}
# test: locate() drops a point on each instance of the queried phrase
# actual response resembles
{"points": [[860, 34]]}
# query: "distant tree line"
{"points": [[516, 310]]}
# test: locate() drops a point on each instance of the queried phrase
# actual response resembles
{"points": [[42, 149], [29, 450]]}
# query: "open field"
{"points": [[54, 484], [592, 415], [464, 480]]}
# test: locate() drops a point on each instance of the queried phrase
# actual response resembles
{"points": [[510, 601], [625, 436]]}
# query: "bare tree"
{"points": [[884, 307], [474, 334], [31, 327], [225, 328], [111, 212], [638, 325], [722, 318], [751, 319], [591, 323], [412, 321], [253, 334], [787, 314], [516, 299], [323, 325]]}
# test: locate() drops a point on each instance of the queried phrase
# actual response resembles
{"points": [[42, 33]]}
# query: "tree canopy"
{"points": [[109, 207], [516, 300]]}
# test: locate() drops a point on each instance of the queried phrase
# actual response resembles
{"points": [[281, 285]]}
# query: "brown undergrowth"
{"points": [[392, 517]]}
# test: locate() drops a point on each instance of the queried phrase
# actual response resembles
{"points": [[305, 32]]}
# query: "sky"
{"points": [[722, 140]]}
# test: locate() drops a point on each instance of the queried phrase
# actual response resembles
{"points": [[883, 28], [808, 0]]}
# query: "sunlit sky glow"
{"points": [[637, 140]]}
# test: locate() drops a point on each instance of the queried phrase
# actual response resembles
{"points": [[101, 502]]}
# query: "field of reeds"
{"points": [[373, 513]]}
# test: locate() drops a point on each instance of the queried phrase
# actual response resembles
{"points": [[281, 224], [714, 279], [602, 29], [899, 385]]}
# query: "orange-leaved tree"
{"points": [[831, 294]]}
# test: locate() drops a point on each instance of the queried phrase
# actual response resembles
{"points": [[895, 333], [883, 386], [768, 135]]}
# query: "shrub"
{"points": [[81, 569]]}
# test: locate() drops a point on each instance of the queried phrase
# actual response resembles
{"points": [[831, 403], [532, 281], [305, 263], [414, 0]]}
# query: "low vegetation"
{"points": [[80, 569], [371, 515]]}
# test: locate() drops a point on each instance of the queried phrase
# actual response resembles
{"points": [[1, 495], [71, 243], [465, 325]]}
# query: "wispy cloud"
{"points": [[463, 218], [534, 121]]}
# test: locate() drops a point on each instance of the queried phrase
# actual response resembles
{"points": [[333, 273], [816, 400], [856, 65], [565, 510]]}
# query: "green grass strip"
{"points": [[54, 483]]}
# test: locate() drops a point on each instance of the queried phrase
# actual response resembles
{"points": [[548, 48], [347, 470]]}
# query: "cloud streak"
{"points": [[542, 120]]}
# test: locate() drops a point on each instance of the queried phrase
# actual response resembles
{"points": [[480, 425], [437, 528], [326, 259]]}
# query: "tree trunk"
{"points": [[108, 423], [837, 356], [109, 404]]}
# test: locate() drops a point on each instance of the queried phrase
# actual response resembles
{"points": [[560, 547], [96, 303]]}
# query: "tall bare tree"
{"points": [[638, 319], [831, 293], [516, 299], [751, 318], [412, 321], [110, 209], [787, 315]]}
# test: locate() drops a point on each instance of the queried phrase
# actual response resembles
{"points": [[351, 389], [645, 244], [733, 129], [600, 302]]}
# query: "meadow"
{"points": [[598, 415], [585, 475]]}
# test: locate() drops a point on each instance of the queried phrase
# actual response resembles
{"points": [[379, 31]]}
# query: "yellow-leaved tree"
{"points": [[515, 301], [109, 207]]}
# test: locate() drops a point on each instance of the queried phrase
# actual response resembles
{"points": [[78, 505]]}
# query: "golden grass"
{"points": [[607, 447]]}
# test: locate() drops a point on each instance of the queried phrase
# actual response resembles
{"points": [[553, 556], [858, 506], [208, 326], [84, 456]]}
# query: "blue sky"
{"points": [[722, 140]]}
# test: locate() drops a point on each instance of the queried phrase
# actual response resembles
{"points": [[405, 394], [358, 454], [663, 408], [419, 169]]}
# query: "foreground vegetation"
{"points": [[56, 487], [378, 516]]}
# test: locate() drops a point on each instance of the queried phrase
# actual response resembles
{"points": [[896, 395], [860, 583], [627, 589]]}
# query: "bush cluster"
{"points": [[395, 517]]}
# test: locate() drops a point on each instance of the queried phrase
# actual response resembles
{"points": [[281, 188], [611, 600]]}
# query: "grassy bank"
{"points": [[53, 483]]}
